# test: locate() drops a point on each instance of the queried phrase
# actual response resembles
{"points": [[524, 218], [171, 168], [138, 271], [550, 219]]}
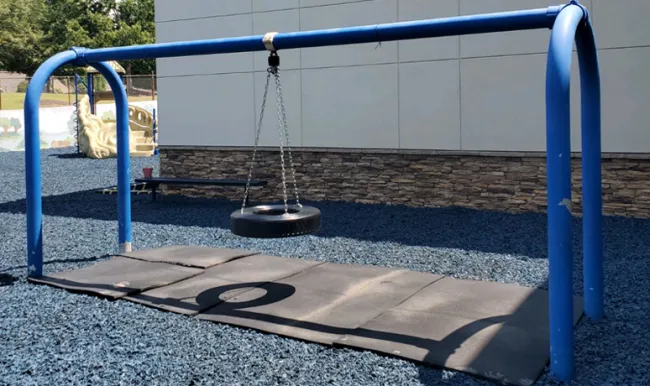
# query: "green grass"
{"points": [[15, 100]]}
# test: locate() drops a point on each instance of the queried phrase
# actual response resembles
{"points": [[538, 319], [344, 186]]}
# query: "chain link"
{"points": [[257, 140], [286, 133], [281, 124], [283, 133]]}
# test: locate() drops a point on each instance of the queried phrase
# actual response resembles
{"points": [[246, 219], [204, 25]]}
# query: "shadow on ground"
{"points": [[451, 227], [72, 155]]}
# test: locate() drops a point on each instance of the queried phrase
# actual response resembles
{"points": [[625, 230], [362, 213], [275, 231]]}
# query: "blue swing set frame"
{"points": [[569, 23]]}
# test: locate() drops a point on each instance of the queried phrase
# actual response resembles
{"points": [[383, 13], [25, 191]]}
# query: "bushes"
{"points": [[22, 86]]}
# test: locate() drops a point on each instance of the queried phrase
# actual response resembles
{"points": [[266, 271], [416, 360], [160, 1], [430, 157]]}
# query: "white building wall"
{"points": [[481, 92]]}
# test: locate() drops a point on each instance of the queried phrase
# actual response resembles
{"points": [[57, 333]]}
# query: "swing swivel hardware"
{"points": [[274, 59]]}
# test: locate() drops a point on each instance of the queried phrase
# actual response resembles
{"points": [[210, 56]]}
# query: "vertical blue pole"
{"points": [[592, 201], [33, 161], [123, 155], [76, 110], [558, 147], [155, 133], [91, 92]]}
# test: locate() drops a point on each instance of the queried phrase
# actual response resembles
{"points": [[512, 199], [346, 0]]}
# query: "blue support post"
{"points": [[90, 87], [592, 201], [558, 147], [33, 161], [76, 110], [123, 154], [155, 133]]}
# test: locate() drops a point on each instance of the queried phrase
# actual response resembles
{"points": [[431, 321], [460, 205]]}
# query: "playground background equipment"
{"points": [[97, 137], [569, 23]]}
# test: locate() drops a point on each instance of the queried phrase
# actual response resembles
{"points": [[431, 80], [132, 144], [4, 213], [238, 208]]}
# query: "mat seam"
{"points": [[397, 305], [183, 265]]}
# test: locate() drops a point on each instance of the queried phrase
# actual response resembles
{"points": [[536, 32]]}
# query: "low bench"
{"points": [[154, 182]]}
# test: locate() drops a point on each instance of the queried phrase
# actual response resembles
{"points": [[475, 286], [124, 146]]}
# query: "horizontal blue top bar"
{"points": [[460, 25]]}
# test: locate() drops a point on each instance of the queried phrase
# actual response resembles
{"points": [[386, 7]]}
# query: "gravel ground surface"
{"points": [[52, 337]]}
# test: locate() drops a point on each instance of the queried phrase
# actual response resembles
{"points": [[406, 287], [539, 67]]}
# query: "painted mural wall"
{"points": [[58, 125]]}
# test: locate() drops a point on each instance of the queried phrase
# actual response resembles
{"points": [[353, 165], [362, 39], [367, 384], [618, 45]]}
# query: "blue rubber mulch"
{"points": [[49, 336]]}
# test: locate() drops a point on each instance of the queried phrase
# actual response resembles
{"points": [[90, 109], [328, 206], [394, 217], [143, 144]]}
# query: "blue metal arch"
{"points": [[569, 23], [572, 25], [33, 162]]}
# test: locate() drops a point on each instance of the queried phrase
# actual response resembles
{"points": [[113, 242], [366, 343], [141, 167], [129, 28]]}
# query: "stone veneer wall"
{"points": [[507, 182]]}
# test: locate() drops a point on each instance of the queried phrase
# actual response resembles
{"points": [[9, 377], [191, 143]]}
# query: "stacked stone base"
{"points": [[512, 182]]}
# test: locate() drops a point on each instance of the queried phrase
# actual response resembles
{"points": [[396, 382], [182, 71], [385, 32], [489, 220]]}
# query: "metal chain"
{"points": [[281, 124], [283, 132], [257, 140], [286, 133]]}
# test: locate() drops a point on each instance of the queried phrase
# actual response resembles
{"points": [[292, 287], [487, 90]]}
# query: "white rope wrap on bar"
{"points": [[268, 41]]}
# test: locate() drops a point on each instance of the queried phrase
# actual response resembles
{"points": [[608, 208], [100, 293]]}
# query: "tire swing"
{"points": [[275, 221]]}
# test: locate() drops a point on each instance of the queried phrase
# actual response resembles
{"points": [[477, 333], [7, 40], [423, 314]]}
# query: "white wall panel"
{"points": [[349, 15], [274, 5], [625, 98], [191, 9], [316, 3], [429, 105], [504, 43], [208, 110], [511, 118], [483, 92], [621, 23], [291, 81], [350, 107], [221, 27], [428, 49]]}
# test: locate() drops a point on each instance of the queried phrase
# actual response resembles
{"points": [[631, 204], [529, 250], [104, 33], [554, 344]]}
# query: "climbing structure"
{"points": [[98, 138]]}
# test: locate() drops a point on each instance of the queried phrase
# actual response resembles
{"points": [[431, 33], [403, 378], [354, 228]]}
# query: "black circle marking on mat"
{"points": [[275, 292]]}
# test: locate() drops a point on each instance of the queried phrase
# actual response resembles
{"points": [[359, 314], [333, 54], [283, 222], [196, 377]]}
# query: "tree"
{"points": [[21, 35], [15, 123], [33, 30], [5, 124], [78, 23], [102, 23], [136, 26]]}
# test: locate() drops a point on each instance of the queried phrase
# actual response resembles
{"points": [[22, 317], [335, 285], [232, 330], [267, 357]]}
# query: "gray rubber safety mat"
{"points": [[221, 283], [321, 303], [190, 256], [118, 277], [497, 331]]}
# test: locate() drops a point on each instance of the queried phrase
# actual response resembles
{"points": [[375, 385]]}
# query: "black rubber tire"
{"points": [[270, 221]]}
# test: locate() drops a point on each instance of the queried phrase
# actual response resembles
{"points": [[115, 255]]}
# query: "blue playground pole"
{"points": [[558, 137], [77, 82], [123, 154], [33, 164], [592, 199], [33, 161], [76, 107], [155, 133], [459, 25], [569, 23], [90, 87]]}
